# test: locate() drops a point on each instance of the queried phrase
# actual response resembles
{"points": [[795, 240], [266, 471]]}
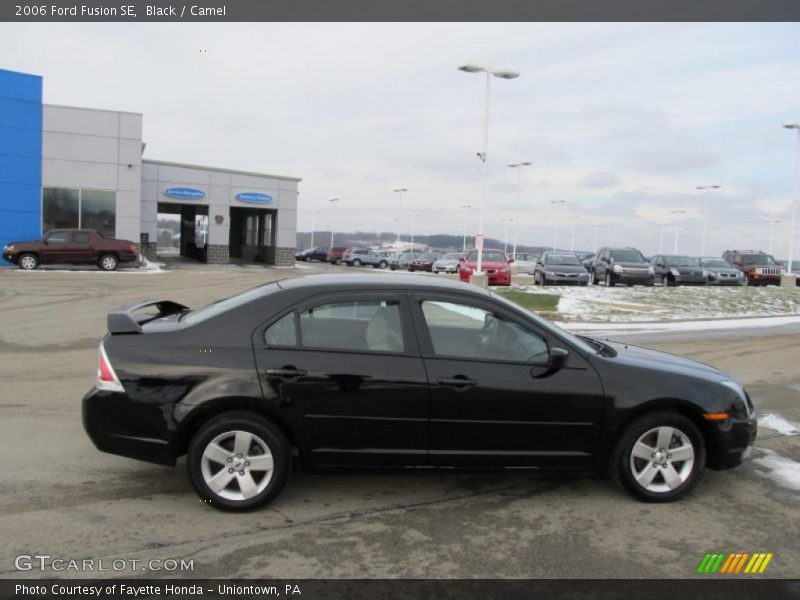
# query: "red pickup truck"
{"points": [[71, 246]]}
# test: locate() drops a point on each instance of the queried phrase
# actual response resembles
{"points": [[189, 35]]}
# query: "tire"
{"points": [[393, 268], [28, 261], [108, 262], [356, 263], [594, 278], [338, 261], [668, 479], [609, 279], [224, 431], [383, 264]]}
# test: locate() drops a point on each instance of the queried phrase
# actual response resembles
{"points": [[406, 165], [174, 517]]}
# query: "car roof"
{"points": [[362, 281]]}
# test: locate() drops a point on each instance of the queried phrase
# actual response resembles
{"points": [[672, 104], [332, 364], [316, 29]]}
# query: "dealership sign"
{"points": [[183, 193], [254, 198]]}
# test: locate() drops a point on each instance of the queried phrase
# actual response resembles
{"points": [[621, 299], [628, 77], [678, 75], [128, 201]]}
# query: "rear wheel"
{"points": [[660, 457], [238, 461], [383, 264], [28, 262], [108, 262]]}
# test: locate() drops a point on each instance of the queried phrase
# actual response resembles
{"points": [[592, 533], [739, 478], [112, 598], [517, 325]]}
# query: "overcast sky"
{"points": [[622, 121]]}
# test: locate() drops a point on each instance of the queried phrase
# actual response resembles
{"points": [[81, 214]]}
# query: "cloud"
{"points": [[600, 180]]}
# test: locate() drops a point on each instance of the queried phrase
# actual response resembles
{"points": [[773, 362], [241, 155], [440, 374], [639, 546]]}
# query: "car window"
{"points": [[282, 332], [360, 325], [81, 237], [58, 237], [562, 259], [463, 331], [627, 255]]}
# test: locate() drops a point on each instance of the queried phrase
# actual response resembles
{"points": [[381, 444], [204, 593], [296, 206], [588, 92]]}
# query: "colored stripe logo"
{"points": [[734, 563]]}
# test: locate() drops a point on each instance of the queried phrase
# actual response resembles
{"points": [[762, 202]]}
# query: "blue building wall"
{"points": [[20, 156]]}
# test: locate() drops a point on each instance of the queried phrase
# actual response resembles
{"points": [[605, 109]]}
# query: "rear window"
{"points": [[221, 306]]}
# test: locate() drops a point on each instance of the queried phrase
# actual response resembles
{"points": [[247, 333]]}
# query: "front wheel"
{"points": [[609, 279], [108, 262], [383, 264], [238, 461], [28, 262], [660, 457], [356, 263]]}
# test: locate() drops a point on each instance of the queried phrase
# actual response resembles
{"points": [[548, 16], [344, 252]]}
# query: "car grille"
{"points": [[636, 271], [490, 271], [728, 275], [768, 271], [567, 274]]}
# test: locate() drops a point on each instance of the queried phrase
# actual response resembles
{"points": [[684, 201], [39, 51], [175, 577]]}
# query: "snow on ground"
{"points": [[783, 471], [779, 424], [632, 304], [695, 325]]}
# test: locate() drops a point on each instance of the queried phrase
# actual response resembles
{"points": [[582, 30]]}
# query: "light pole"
{"points": [[399, 211], [556, 215], [707, 189], [507, 220], [502, 74], [677, 212], [573, 217], [464, 227], [518, 166], [312, 212], [595, 227], [771, 226], [333, 202], [413, 219], [796, 126], [661, 227]]}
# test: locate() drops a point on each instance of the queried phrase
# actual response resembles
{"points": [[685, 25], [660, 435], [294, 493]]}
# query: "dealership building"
{"points": [[72, 167]]}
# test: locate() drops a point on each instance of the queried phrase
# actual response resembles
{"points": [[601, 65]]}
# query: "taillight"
{"points": [[131, 248], [106, 377]]}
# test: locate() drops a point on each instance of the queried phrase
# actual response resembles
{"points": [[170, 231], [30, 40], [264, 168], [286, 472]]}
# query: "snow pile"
{"points": [[783, 471], [779, 424]]}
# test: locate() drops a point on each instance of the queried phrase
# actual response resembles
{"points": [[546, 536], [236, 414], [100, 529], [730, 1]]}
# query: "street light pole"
{"points": [[796, 126], [413, 219], [502, 74], [595, 227], [661, 227], [573, 216], [707, 189], [464, 228], [556, 215], [312, 212], [676, 212], [399, 211], [507, 220], [771, 226], [333, 202], [518, 166]]}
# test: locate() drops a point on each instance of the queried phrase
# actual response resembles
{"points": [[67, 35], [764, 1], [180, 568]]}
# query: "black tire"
{"points": [[393, 268], [594, 278], [28, 261], [338, 261], [383, 264], [609, 279], [252, 423], [108, 262], [620, 465]]}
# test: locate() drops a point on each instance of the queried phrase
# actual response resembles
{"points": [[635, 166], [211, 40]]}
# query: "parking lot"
{"points": [[64, 498]]}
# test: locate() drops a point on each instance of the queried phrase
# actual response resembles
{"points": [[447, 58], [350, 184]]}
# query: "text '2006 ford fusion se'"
{"points": [[396, 372]]}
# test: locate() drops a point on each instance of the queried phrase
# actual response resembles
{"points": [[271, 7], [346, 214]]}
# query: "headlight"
{"points": [[651, 270], [740, 393], [675, 272], [8, 248], [618, 269], [549, 272]]}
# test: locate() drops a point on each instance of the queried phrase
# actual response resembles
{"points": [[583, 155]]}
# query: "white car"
{"points": [[448, 263], [525, 262]]}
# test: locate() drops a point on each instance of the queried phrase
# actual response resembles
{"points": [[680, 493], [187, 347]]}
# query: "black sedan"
{"points": [[560, 268], [678, 270], [387, 371]]}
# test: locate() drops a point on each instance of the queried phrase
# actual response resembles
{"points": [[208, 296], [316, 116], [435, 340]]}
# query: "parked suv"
{"points": [[759, 267], [357, 257], [678, 270], [621, 265], [71, 246]]}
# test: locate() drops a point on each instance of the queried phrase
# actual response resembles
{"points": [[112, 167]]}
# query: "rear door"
{"points": [[345, 369], [79, 248], [493, 402]]}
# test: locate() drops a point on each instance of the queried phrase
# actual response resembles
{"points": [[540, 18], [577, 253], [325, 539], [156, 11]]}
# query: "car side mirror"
{"points": [[557, 358]]}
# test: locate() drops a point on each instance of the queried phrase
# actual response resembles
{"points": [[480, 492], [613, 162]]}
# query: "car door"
{"points": [[79, 248], [346, 370], [54, 247], [494, 401]]}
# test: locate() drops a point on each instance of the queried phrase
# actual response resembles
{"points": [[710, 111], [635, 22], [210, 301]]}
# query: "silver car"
{"points": [[401, 261], [721, 272], [525, 262], [448, 263]]}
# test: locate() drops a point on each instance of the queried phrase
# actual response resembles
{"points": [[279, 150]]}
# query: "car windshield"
{"points": [[488, 256], [451, 256], [408, 255], [680, 261], [758, 259], [562, 259], [427, 257], [629, 255], [714, 262], [220, 306]]}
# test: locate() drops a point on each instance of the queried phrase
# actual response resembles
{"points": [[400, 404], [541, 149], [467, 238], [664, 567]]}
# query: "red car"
{"points": [[495, 265]]}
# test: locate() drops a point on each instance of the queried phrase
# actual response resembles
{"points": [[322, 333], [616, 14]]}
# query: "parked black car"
{"points": [[621, 265], [560, 268], [389, 371], [673, 269], [320, 254], [721, 272]]}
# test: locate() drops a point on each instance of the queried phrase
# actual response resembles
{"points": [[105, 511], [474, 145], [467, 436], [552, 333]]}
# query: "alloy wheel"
{"points": [[237, 465], [27, 262], [109, 263], [662, 459]]}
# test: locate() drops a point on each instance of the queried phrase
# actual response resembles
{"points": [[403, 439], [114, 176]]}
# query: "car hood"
{"points": [[21, 242], [687, 270], [723, 270], [447, 261], [664, 361], [487, 265], [565, 268]]}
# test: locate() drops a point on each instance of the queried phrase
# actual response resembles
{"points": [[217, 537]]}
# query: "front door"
{"points": [[346, 371], [54, 248], [493, 401]]}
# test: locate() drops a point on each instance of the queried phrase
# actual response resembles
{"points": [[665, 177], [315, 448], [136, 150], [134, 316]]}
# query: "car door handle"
{"points": [[457, 381], [286, 372]]}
